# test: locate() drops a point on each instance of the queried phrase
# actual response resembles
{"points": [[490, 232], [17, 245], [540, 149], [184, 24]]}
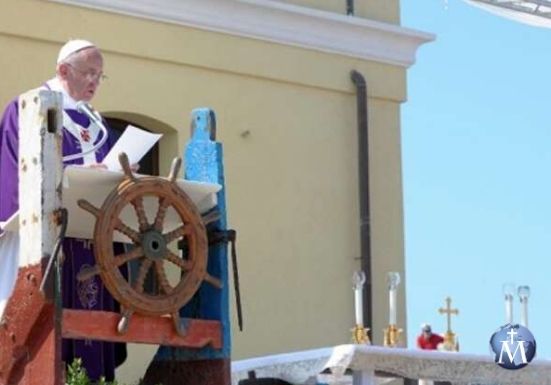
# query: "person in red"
{"points": [[427, 340]]}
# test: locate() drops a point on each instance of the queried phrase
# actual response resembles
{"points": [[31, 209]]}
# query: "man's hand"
{"points": [[134, 167]]}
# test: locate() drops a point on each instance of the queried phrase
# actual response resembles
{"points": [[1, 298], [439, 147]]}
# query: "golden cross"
{"points": [[449, 311]]}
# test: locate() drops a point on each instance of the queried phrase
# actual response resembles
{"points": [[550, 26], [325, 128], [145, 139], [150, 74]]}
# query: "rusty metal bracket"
{"points": [[216, 236], [230, 236], [47, 286]]}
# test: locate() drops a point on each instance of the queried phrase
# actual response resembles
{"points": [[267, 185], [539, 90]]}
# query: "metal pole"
{"points": [[363, 183]]}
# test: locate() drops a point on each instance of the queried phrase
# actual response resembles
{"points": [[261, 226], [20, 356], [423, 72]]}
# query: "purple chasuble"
{"points": [[99, 358]]}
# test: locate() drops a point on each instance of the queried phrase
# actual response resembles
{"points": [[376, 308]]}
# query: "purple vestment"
{"points": [[99, 358]]}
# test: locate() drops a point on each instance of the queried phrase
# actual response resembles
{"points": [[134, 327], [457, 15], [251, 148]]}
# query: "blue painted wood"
{"points": [[204, 163]]}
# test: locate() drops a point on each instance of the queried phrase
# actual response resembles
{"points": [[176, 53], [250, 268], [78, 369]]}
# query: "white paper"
{"points": [[12, 224], [135, 142]]}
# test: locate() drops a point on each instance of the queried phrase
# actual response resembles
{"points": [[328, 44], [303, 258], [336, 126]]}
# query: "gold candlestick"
{"points": [[359, 335], [450, 343], [392, 336]]}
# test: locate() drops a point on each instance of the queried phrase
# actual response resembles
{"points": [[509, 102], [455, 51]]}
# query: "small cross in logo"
{"points": [[511, 334], [85, 135]]}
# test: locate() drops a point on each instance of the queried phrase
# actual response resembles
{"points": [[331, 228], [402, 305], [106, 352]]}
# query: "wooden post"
{"points": [[30, 338], [206, 366]]}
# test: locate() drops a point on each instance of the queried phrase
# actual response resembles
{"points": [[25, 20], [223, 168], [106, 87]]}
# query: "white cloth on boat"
{"points": [[9, 265]]}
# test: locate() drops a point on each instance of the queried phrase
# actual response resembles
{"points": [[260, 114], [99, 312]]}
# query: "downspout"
{"points": [[350, 7], [363, 183]]}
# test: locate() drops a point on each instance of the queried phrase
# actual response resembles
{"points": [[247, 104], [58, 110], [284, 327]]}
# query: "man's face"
{"points": [[82, 74], [426, 334]]}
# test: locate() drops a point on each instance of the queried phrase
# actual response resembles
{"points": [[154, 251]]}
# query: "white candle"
{"points": [[524, 312], [523, 294], [358, 280], [358, 303], [509, 309], [393, 280], [392, 305]]}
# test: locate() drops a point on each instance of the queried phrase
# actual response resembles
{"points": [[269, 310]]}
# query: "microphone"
{"points": [[87, 110]]}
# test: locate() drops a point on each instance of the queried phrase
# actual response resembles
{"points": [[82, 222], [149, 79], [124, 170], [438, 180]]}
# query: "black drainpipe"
{"points": [[363, 182], [350, 7]]}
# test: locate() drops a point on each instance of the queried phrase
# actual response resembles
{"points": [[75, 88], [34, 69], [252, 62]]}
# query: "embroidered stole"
{"points": [[85, 136]]}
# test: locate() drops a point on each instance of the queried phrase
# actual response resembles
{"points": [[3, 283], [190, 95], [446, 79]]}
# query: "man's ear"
{"points": [[62, 70]]}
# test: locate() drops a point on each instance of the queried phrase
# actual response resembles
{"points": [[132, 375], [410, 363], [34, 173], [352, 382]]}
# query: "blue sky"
{"points": [[476, 140]]}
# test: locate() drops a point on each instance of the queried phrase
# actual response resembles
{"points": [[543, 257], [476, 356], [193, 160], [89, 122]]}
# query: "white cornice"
{"points": [[280, 23]]}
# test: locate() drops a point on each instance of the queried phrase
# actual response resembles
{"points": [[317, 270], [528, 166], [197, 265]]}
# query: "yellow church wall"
{"points": [[287, 119], [381, 10], [140, 39]]}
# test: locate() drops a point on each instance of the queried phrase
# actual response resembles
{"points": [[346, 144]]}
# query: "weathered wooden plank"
{"points": [[22, 316], [102, 325], [40, 172], [30, 335]]}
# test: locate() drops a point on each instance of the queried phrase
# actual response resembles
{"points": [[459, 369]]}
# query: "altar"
{"points": [[369, 365]]}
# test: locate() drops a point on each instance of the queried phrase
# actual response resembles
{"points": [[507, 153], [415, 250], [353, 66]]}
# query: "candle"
{"points": [[524, 313], [524, 293], [509, 289], [393, 280], [358, 280], [358, 303], [392, 305], [509, 309]]}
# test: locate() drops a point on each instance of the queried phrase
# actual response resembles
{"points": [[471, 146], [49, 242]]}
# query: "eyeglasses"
{"points": [[91, 74]]}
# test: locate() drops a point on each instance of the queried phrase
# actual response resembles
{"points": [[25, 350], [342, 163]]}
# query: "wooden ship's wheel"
{"points": [[150, 246]]}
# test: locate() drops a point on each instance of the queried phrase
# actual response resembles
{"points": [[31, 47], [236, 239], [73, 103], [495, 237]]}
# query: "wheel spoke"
{"points": [[178, 233], [125, 164], [180, 329], [211, 217], [181, 263], [175, 169], [87, 273], [142, 273], [213, 281], [122, 326], [129, 232], [121, 259], [161, 212], [84, 204], [163, 280], [140, 212]]}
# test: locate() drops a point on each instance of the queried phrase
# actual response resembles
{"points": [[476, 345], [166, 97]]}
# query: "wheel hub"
{"points": [[154, 245]]}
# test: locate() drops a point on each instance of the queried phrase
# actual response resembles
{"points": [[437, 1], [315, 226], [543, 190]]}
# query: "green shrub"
{"points": [[76, 375]]}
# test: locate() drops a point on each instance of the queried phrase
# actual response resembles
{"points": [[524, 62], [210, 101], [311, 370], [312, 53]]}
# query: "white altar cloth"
{"points": [[374, 365], [435, 365], [94, 185]]}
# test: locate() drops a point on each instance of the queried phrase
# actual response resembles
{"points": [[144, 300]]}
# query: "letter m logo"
{"points": [[507, 349]]}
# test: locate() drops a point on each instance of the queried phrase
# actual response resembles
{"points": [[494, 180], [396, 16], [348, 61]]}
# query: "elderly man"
{"points": [[79, 72]]}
